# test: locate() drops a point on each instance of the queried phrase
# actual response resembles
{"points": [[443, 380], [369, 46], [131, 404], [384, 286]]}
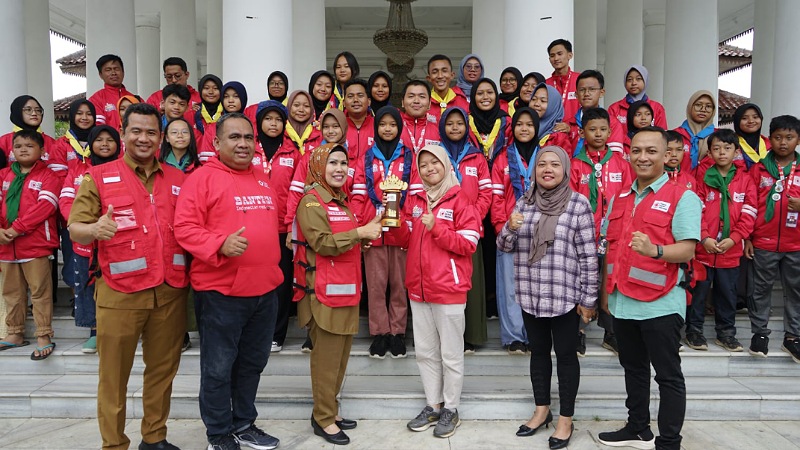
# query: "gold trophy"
{"points": [[393, 188]]}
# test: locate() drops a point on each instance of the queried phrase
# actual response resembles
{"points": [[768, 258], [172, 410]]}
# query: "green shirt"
{"points": [[685, 225]]}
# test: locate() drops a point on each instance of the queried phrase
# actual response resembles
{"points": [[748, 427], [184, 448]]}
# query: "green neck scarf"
{"points": [[715, 180], [593, 190], [772, 168], [14, 193]]}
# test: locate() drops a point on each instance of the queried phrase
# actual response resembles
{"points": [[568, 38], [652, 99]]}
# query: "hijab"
{"points": [[240, 91], [317, 164], [299, 127], [462, 82], [93, 134], [554, 112], [79, 133], [752, 139], [437, 191], [518, 76], [319, 105], [632, 113], [285, 80], [211, 107], [453, 148], [375, 104], [341, 119], [484, 120], [387, 148], [642, 95], [551, 203], [526, 149], [16, 112], [539, 79], [699, 131], [270, 145]]}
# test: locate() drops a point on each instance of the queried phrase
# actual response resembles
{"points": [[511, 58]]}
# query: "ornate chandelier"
{"points": [[400, 40]]}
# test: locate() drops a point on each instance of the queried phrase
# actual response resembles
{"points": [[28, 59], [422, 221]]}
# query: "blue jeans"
{"points": [[724, 302], [236, 336], [68, 271], [85, 314], [512, 327]]}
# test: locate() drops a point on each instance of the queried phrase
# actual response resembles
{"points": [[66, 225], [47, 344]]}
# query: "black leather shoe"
{"points": [[560, 443], [346, 424], [339, 438], [525, 431], [161, 445]]}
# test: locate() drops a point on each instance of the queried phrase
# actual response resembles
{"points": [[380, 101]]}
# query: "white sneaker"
{"points": [[276, 347]]}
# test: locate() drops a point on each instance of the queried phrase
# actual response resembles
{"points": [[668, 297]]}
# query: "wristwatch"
{"points": [[660, 252]]}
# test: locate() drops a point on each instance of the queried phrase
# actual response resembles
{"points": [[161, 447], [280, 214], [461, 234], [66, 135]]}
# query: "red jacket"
{"points": [[77, 169], [280, 170], [476, 181], [503, 196], [703, 161], [616, 178], [312, 142], [157, 97], [684, 179], [53, 162], [215, 202], [619, 110], [418, 133], [503, 139], [460, 101], [781, 233], [742, 214], [567, 86], [439, 261], [105, 103], [362, 204], [615, 140], [359, 139], [558, 139], [36, 219]]}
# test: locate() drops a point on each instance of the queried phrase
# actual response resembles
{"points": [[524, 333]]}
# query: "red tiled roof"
{"points": [[733, 58], [728, 102], [74, 63], [61, 106]]}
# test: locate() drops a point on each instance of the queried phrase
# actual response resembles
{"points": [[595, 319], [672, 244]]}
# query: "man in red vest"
{"points": [[127, 206], [651, 231]]}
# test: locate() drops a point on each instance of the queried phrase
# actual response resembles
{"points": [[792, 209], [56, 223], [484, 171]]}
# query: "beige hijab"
{"points": [[696, 127], [436, 192]]}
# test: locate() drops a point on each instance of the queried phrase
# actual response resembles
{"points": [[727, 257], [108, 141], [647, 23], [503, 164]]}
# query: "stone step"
{"points": [[401, 397]]}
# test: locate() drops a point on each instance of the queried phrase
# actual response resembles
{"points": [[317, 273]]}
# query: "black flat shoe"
{"points": [[339, 438], [525, 431], [560, 443], [346, 424]]}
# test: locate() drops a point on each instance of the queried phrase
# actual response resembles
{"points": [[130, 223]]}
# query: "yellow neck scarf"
{"points": [[296, 138], [511, 108], [486, 142], [755, 156], [76, 145], [209, 118], [443, 101], [543, 140], [16, 128], [339, 97]]}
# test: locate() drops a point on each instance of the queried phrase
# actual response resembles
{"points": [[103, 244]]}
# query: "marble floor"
{"points": [[76, 434]]}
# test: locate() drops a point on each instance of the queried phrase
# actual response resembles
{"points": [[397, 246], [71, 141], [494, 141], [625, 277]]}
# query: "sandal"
{"points": [[5, 345], [41, 350]]}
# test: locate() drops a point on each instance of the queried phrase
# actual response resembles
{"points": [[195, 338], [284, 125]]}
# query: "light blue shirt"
{"points": [[685, 225]]}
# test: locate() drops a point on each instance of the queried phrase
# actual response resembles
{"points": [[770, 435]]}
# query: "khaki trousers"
{"points": [[17, 279], [118, 331], [328, 366], [386, 265]]}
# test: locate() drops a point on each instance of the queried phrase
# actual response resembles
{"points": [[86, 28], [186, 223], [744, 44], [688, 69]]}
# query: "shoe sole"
{"points": [[255, 446], [469, 352], [516, 352], [371, 355], [725, 347], [641, 445], [306, 350], [696, 347], [421, 428], [447, 435], [89, 351], [758, 354], [398, 356], [795, 358], [610, 348], [581, 355]]}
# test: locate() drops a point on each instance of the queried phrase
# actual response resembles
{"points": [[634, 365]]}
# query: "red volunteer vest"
{"points": [[143, 253], [338, 278], [642, 277]]}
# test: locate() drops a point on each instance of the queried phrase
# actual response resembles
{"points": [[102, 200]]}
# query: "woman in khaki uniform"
{"points": [[330, 233]]}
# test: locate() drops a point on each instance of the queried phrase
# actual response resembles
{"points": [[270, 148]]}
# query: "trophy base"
{"points": [[390, 223]]}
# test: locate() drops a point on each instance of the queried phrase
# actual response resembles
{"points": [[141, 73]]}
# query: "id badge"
{"points": [[791, 220]]}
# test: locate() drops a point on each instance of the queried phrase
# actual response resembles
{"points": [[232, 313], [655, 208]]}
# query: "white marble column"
{"points": [[653, 58], [110, 28], [14, 82], [763, 58], [624, 44], [530, 26], [308, 34], [690, 53], [213, 39], [785, 96], [245, 58], [36, 20], [585, 42], [178, 34], [488, 39], [148, 64]]}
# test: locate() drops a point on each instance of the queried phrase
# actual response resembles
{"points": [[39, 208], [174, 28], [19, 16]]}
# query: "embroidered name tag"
{"points": [[351, 172], [796, 180], [615, 177], [431, 142], [472, 171], [256, 160], [176, 190], [661, 206], [445, 214], [766, 182], [287, 162], [738, 197], [710, 196], [6, 185], [505, 171], [416, 212], [571, 96], [35, 185], [585, 178], [370, 141]]}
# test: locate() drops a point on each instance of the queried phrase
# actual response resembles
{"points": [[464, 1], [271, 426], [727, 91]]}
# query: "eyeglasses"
{"points": [[473, 67], [703, 107], [171, 77], [30, 111], [508, 80], [589, 90], [276, 84], [179, 132]]}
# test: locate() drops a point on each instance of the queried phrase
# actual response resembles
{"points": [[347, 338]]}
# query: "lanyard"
{"points": [[779, 187], [417, 145], [566, 88]]}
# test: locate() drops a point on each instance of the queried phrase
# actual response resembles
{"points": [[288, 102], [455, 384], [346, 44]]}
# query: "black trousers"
{"points": [[561, 333], [284, 292], [653, 341]]}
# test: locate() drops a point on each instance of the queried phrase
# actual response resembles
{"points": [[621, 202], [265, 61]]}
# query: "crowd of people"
{"points": [[198, 210]]}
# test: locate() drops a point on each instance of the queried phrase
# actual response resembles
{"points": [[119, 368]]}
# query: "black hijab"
{"points": [[97, 160], [79, 133], [319, 105], [285, 80], [526, 149], [453, 147], [632, 113], [518, 76], [211, 107], [484, 120], [752, 139], [387, 147], [375, 104], [16, 111], [270, 145]]}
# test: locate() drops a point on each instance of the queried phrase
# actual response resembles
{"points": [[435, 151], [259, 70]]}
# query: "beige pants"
{"points": [[328, 366], [17, 279]]}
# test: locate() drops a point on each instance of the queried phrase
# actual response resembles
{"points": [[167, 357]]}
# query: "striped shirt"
{"points": [[568, 273]]}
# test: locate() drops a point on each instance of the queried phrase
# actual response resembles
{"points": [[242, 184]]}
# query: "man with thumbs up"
{"points": [[227, 218], [126, 208]]}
